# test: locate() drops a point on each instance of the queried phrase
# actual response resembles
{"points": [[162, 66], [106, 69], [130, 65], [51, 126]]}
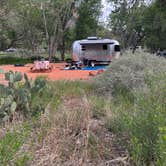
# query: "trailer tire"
{"points": [[85, 62]]}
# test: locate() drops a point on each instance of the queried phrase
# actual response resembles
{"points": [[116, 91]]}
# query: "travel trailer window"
{"points": [[117, 48], [104, 46], [83, 48]]}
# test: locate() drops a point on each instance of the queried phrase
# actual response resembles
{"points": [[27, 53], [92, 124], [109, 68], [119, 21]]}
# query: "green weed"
{"points": [[23, 160], [99, 106], [11, 143], [140, 122]]}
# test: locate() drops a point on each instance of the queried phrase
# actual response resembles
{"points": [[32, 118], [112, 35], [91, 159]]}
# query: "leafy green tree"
{"points": [[126, 22], [31, 24], [57, 18], [43, 21], [7, 32], [89, 13], [155, 25], [138, 23]]}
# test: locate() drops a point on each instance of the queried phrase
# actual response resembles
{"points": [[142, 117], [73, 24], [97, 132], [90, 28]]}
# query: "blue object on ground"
{"points": [[95, 67]]}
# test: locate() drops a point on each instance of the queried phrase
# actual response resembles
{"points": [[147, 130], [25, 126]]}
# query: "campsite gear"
{"points": [[19, 65], [74, 66], [41, 66]]}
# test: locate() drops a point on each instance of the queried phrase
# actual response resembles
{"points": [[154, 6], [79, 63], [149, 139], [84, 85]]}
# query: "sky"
{"points": [[105, 11], [107, 8]]}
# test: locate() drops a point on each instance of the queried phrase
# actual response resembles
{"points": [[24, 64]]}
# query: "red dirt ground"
{"points": [[56, 74]]}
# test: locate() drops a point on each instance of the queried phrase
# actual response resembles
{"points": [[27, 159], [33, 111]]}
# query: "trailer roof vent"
{"points": [[92, 38]]}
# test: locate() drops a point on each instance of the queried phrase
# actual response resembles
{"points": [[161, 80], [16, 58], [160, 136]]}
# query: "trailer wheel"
{"points": [[85, 62], [89, 63]]}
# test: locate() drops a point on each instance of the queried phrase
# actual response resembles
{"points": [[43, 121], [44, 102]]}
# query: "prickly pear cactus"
{"points": [[12, 77], [13, 98], [16, 96], [7, 107]]}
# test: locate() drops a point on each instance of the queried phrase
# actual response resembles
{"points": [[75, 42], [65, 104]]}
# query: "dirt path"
{"points": [[56, 74], [77, 139]]}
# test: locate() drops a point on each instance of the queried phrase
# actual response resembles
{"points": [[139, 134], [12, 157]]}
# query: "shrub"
{"points": [[14, 60], [143, 121], [138, 86], [129, 73]]}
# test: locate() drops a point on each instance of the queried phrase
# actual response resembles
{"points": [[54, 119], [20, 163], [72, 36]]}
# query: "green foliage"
{"points": [[11, 143], [13, 96], [126, 22], [13, 77], [42, 95], [142, 123], [18, 96], [87, 23], [47, 24], [154, 24], [99, 106], [136, 23], [68, 88], [161, 146], [14, 60], [28, 23], [23, 160], [129, 73], [137, 86], [7, 33], [93, 143]]}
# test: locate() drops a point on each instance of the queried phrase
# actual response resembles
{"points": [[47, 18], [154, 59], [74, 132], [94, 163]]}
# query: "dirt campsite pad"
{"points": [[57, 72]]}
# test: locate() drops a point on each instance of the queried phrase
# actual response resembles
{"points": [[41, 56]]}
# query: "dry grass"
{"points": [[75, 138]]}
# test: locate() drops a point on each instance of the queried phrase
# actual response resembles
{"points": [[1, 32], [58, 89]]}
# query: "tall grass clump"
{"points": [[12, 141], [137, 85]]}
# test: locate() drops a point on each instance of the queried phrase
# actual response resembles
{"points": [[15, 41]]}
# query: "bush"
{"points": [[142, 122], [138, 86], [7, 60], [130, 72]]}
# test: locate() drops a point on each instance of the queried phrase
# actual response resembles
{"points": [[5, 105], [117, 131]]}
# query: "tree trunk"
{"points": [[52, 48], [62, 49], [34, 49]]}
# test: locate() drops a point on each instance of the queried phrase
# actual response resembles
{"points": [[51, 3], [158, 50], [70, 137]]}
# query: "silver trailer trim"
{"points": [[96, 50]]}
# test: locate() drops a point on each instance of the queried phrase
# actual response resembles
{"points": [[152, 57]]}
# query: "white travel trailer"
{"points": [[96, 50]]}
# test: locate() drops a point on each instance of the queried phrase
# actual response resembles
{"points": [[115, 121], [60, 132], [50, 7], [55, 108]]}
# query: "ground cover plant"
{"points": [[68, 131], [8, 60], [137, 85], [25, 57]]}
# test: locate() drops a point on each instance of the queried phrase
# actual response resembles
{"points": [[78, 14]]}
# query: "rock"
{"points": [[92, 74]]}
